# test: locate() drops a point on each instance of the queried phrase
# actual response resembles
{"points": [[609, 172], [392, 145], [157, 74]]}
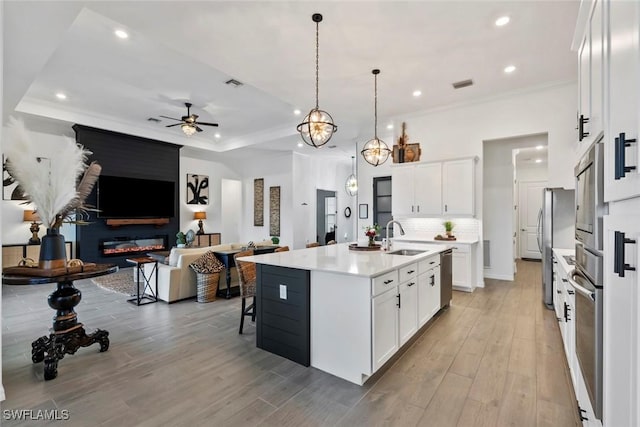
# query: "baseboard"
{"points": [[498, 277]]}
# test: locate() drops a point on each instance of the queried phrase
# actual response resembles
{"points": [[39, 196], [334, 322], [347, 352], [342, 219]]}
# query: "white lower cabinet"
{"points": [[462, 268], [428, 294], [385, 327], [400, 309]]}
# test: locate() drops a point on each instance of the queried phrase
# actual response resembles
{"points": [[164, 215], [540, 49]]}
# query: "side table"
{"points": [[67, 335], [144, 298]]}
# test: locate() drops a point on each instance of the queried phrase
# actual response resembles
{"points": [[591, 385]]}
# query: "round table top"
{"points": [[100, 270]]}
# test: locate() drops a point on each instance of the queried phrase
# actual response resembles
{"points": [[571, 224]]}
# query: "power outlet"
{"points": [[283, 291]]}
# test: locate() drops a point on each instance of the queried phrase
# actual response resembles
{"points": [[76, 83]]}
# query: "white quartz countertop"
{"points": [[340, 259], [560, 254], [431, 239]]}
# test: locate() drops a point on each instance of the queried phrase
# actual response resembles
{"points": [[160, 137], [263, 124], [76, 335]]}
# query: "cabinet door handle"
{"points": [[581, 122], [582, 417], [566, 312], [558, 291], [619, 266], [565, 280], [398, 304], [410, 271], [412, 208], [432, 281], [445, 208], [432, 262], [411, 284], [386, 282], [570, 292], [621, 169], [418, 207]]}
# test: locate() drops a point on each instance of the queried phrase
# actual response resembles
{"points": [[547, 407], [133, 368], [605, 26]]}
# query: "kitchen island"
{"points": [[342, 311]]}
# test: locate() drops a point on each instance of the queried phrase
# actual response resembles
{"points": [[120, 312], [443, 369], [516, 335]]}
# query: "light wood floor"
{"points": [[493, 358]]}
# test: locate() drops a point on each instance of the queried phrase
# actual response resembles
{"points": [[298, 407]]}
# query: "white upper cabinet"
{"points": [[622, 157], [590, 120], [434, 188], [457, 187]]}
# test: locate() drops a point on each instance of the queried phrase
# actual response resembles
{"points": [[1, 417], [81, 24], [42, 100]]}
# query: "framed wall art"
{"points": [[197, 189], [274, 211], [363, 211], [258, 202]]}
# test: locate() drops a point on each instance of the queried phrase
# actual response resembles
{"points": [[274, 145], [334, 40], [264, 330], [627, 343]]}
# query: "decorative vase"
{"points": [[53, 253], [449, 233], [371, 241]]}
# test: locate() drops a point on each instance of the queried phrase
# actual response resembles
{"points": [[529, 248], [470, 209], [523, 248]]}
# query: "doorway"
{"points": [[326, 216], [530, 204]]}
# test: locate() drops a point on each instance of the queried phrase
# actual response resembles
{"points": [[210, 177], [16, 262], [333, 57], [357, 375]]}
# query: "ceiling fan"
{"points": [[189, 123]]}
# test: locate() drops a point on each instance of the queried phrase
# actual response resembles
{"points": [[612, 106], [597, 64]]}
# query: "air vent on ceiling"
{"points": [[234, 82], [153, 119], [462, 83]]}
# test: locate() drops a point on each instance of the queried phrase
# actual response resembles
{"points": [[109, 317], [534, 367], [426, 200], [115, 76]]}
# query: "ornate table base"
{"points": [[67, 335]]}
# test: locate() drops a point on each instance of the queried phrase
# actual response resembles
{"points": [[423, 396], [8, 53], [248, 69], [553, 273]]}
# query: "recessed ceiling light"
{"points": [[121, 34], [417, 93], [300, 144], [539, 147], [61, 95], [509, 69], [538, 160], [503, 20], [389, 127], [217, 135], [296, 112]]}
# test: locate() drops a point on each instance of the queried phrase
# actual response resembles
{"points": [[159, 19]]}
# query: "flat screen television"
{"points": [[120, 197]]}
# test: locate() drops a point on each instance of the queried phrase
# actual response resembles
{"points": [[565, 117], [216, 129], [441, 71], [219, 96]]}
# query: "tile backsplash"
{"points": [[464, 228]]}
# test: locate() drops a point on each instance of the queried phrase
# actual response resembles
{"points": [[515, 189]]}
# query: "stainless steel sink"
{"points": [[408, 252]]}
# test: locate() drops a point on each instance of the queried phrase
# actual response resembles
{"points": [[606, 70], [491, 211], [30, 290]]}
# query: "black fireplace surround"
{"points": [[131, 157]]}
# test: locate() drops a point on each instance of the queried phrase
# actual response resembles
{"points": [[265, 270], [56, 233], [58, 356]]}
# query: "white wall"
{"points": [[497, 192], [231, 204], [217, 172]]}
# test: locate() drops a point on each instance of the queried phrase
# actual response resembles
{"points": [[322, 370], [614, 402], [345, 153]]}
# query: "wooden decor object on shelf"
{"points": [[403, 152]]}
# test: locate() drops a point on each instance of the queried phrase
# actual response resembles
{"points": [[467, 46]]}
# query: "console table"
{"points": [[66, 334], [226, 257]]}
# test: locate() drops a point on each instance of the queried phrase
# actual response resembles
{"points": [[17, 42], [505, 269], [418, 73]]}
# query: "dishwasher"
{"points": [[446, 277]]}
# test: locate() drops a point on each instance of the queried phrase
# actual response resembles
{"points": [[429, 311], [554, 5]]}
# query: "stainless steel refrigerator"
{"points": [[556, 229]]}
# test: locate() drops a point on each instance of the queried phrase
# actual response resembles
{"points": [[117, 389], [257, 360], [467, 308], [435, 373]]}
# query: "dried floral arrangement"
{"points": [[58, 185]]}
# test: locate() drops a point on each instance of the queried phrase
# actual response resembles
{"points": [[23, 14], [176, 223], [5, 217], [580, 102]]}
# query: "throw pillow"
{"points": [[207, 263]]}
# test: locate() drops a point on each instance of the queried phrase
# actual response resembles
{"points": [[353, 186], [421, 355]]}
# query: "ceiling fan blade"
{"points": [[207, 124], [198, 129], [166, 117], [176, 124]]}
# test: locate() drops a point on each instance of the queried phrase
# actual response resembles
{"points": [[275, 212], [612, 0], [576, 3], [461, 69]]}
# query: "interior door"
{"points": [[530, 203]]}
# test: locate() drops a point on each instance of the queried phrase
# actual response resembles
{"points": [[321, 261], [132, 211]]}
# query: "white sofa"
{"points": [[177, 281]]}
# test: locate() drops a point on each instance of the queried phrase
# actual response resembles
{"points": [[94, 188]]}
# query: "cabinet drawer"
{"points": [[384, 282], [427, 264], [408, 272]]}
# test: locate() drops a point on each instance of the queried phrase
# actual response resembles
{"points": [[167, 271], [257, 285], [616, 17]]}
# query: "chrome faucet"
{"points": [[387, 244]]}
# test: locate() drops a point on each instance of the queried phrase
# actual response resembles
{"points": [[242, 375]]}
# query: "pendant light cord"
{"points": [[317, 62], [375, 106]]}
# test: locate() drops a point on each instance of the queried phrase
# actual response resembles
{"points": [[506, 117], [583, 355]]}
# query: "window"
{"points": [[382, 203]]}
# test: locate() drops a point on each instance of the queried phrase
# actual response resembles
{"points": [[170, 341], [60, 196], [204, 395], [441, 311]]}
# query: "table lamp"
{"points": [[32, 216], [200, 216]]}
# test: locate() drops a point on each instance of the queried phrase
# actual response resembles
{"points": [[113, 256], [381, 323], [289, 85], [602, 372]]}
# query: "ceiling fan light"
{"points": [[317, 128], [188, 129], [375, 151]]}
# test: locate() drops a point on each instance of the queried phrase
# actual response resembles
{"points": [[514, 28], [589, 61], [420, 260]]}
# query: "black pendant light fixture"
{"points": [[375, 151], [352, 181], [317, 128]]}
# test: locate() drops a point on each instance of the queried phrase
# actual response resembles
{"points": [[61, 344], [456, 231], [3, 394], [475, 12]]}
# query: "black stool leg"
{"points": [[253, 311], [242, 315]]}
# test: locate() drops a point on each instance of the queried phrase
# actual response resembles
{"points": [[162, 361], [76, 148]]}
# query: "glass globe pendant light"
{"points": [[375, 151], [317, 128], [352, 181]]}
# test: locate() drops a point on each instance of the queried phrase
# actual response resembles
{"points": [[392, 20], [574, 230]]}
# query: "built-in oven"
{"points": [[586, 279], [590, 206]]}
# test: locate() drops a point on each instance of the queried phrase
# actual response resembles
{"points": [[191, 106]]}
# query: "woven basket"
{"points": [[207, 286]]}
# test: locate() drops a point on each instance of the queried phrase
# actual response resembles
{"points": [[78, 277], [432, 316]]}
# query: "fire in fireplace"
{"points": [[118, 246]]}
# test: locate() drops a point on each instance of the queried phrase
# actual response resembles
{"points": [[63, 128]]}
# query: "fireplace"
{"points": [[119, 246]]}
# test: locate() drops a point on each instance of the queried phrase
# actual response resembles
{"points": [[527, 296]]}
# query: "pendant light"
{"points": [[352, 182], [375, 151], [317, 128]]}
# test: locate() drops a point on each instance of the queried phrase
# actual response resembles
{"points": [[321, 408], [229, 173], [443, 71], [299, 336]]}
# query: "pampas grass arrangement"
{"points": [[50, 183]]}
